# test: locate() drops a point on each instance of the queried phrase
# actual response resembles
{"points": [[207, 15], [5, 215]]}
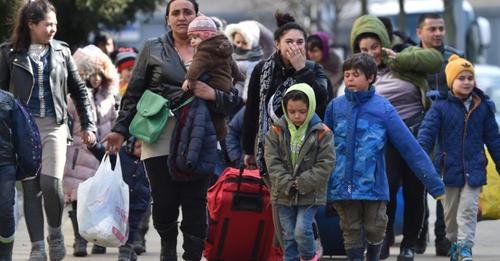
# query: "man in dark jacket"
{"points": [[431, 32]]}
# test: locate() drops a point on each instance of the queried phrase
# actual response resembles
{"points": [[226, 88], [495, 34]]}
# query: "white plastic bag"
{"points": [[103, 206]]}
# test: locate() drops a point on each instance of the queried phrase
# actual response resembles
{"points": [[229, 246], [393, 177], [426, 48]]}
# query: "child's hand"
{"points": [[390, 53], [440, 197], [185, 86]]}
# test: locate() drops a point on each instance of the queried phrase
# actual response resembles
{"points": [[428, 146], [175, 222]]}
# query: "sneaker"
{"points": [[442, 247], [453, 252], [464, 253], [37, 254], [57, 250], [98, 249], [126, 253]]}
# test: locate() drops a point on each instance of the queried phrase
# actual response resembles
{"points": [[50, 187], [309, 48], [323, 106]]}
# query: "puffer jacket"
{"points": [[7, 106], [460, 137], [80, 163], [159, 68], [233, 138], [194, 147], [413, 64], [16, 76], [362, 123]]}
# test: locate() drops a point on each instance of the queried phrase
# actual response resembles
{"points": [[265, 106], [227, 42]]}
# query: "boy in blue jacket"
{"points": [[362, 122], [461, 124]]}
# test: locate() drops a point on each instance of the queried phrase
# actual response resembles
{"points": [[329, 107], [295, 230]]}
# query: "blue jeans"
{"points": [[7, 197], [298, 235]]}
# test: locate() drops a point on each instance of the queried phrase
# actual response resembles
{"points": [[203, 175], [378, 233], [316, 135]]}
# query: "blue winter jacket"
{"points": [[193, 151], [233, 138], [362, 122], [460, 138]]}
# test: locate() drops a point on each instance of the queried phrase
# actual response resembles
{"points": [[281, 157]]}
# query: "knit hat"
{"points": [[202, 26], [249, 30], [125, 59], [455, 66]]}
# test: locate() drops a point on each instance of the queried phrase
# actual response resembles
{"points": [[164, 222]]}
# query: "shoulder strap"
{"points": [[323, 131], [276, 129]]}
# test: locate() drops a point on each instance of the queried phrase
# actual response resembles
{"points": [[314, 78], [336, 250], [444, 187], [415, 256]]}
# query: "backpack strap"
{"points": [[323, 131], [276, 129]]}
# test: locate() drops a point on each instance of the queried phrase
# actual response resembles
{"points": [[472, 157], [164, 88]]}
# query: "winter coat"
{"points": [[411, 65], [80, 163], [213, 60], [233, 138], [194, 146], [16, 76], [299, 154], [7, 107], [133, 174], [460, 136], [159, 69], [362, 123], [314, 164]]}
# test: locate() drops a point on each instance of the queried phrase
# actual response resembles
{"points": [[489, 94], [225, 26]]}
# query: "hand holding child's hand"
{"points": [[185, 86]]}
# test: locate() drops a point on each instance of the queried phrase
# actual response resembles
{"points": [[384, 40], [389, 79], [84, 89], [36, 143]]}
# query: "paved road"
{"points": [[487, 246]]}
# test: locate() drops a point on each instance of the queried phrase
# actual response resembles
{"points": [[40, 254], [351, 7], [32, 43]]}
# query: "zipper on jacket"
{"points": [[33, 80], [466, 121]]}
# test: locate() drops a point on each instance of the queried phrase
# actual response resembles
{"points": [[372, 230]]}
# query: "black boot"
{"points": [[169, 243], [373, 252], [126, 253], [355, 254], [193, 247], [386, 245], [421, 244], [6, 251], [80, 244]]}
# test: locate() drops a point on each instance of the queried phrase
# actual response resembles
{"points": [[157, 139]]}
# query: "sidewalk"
{"points": [[487, 244]]}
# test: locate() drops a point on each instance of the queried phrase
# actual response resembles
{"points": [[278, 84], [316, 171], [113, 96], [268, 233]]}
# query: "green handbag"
{"points": [[153, 111]]}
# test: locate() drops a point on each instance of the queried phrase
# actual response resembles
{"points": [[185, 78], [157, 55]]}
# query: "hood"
{"points": [[305, 88], [324, 37], [218, 45], [369, 24]]}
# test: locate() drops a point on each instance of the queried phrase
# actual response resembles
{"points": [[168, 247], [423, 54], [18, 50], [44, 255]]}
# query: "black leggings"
{"points": [[168, 195], [399, 173]]}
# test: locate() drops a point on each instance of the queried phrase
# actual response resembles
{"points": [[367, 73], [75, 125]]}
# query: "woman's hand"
{"points": [[249, 161], [203, 91], [295, 56], [114, 141], [390, 53], [88, 137]]}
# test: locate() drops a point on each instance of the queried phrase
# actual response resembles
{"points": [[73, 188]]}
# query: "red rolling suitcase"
{"points": [[240, 225]]}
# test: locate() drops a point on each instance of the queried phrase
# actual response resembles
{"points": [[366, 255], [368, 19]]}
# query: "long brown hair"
{"points": [[33, 11]]}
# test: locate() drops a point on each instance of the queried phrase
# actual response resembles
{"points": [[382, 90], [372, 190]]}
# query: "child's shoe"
{"points": [[464, 252], [98, 249], [453, 253]]}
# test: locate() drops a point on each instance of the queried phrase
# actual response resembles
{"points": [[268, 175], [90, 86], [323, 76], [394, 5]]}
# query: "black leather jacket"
{"points": [[16, 76], [160, 69]]}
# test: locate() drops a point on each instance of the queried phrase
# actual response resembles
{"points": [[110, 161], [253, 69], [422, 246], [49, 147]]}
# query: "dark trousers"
{"points": [[399, 173], [7, 199], [168, 195], [439, 225]]}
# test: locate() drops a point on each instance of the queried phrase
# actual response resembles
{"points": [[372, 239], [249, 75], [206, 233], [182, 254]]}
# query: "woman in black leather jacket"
{"points": [[161, 68], [40, 72]]}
